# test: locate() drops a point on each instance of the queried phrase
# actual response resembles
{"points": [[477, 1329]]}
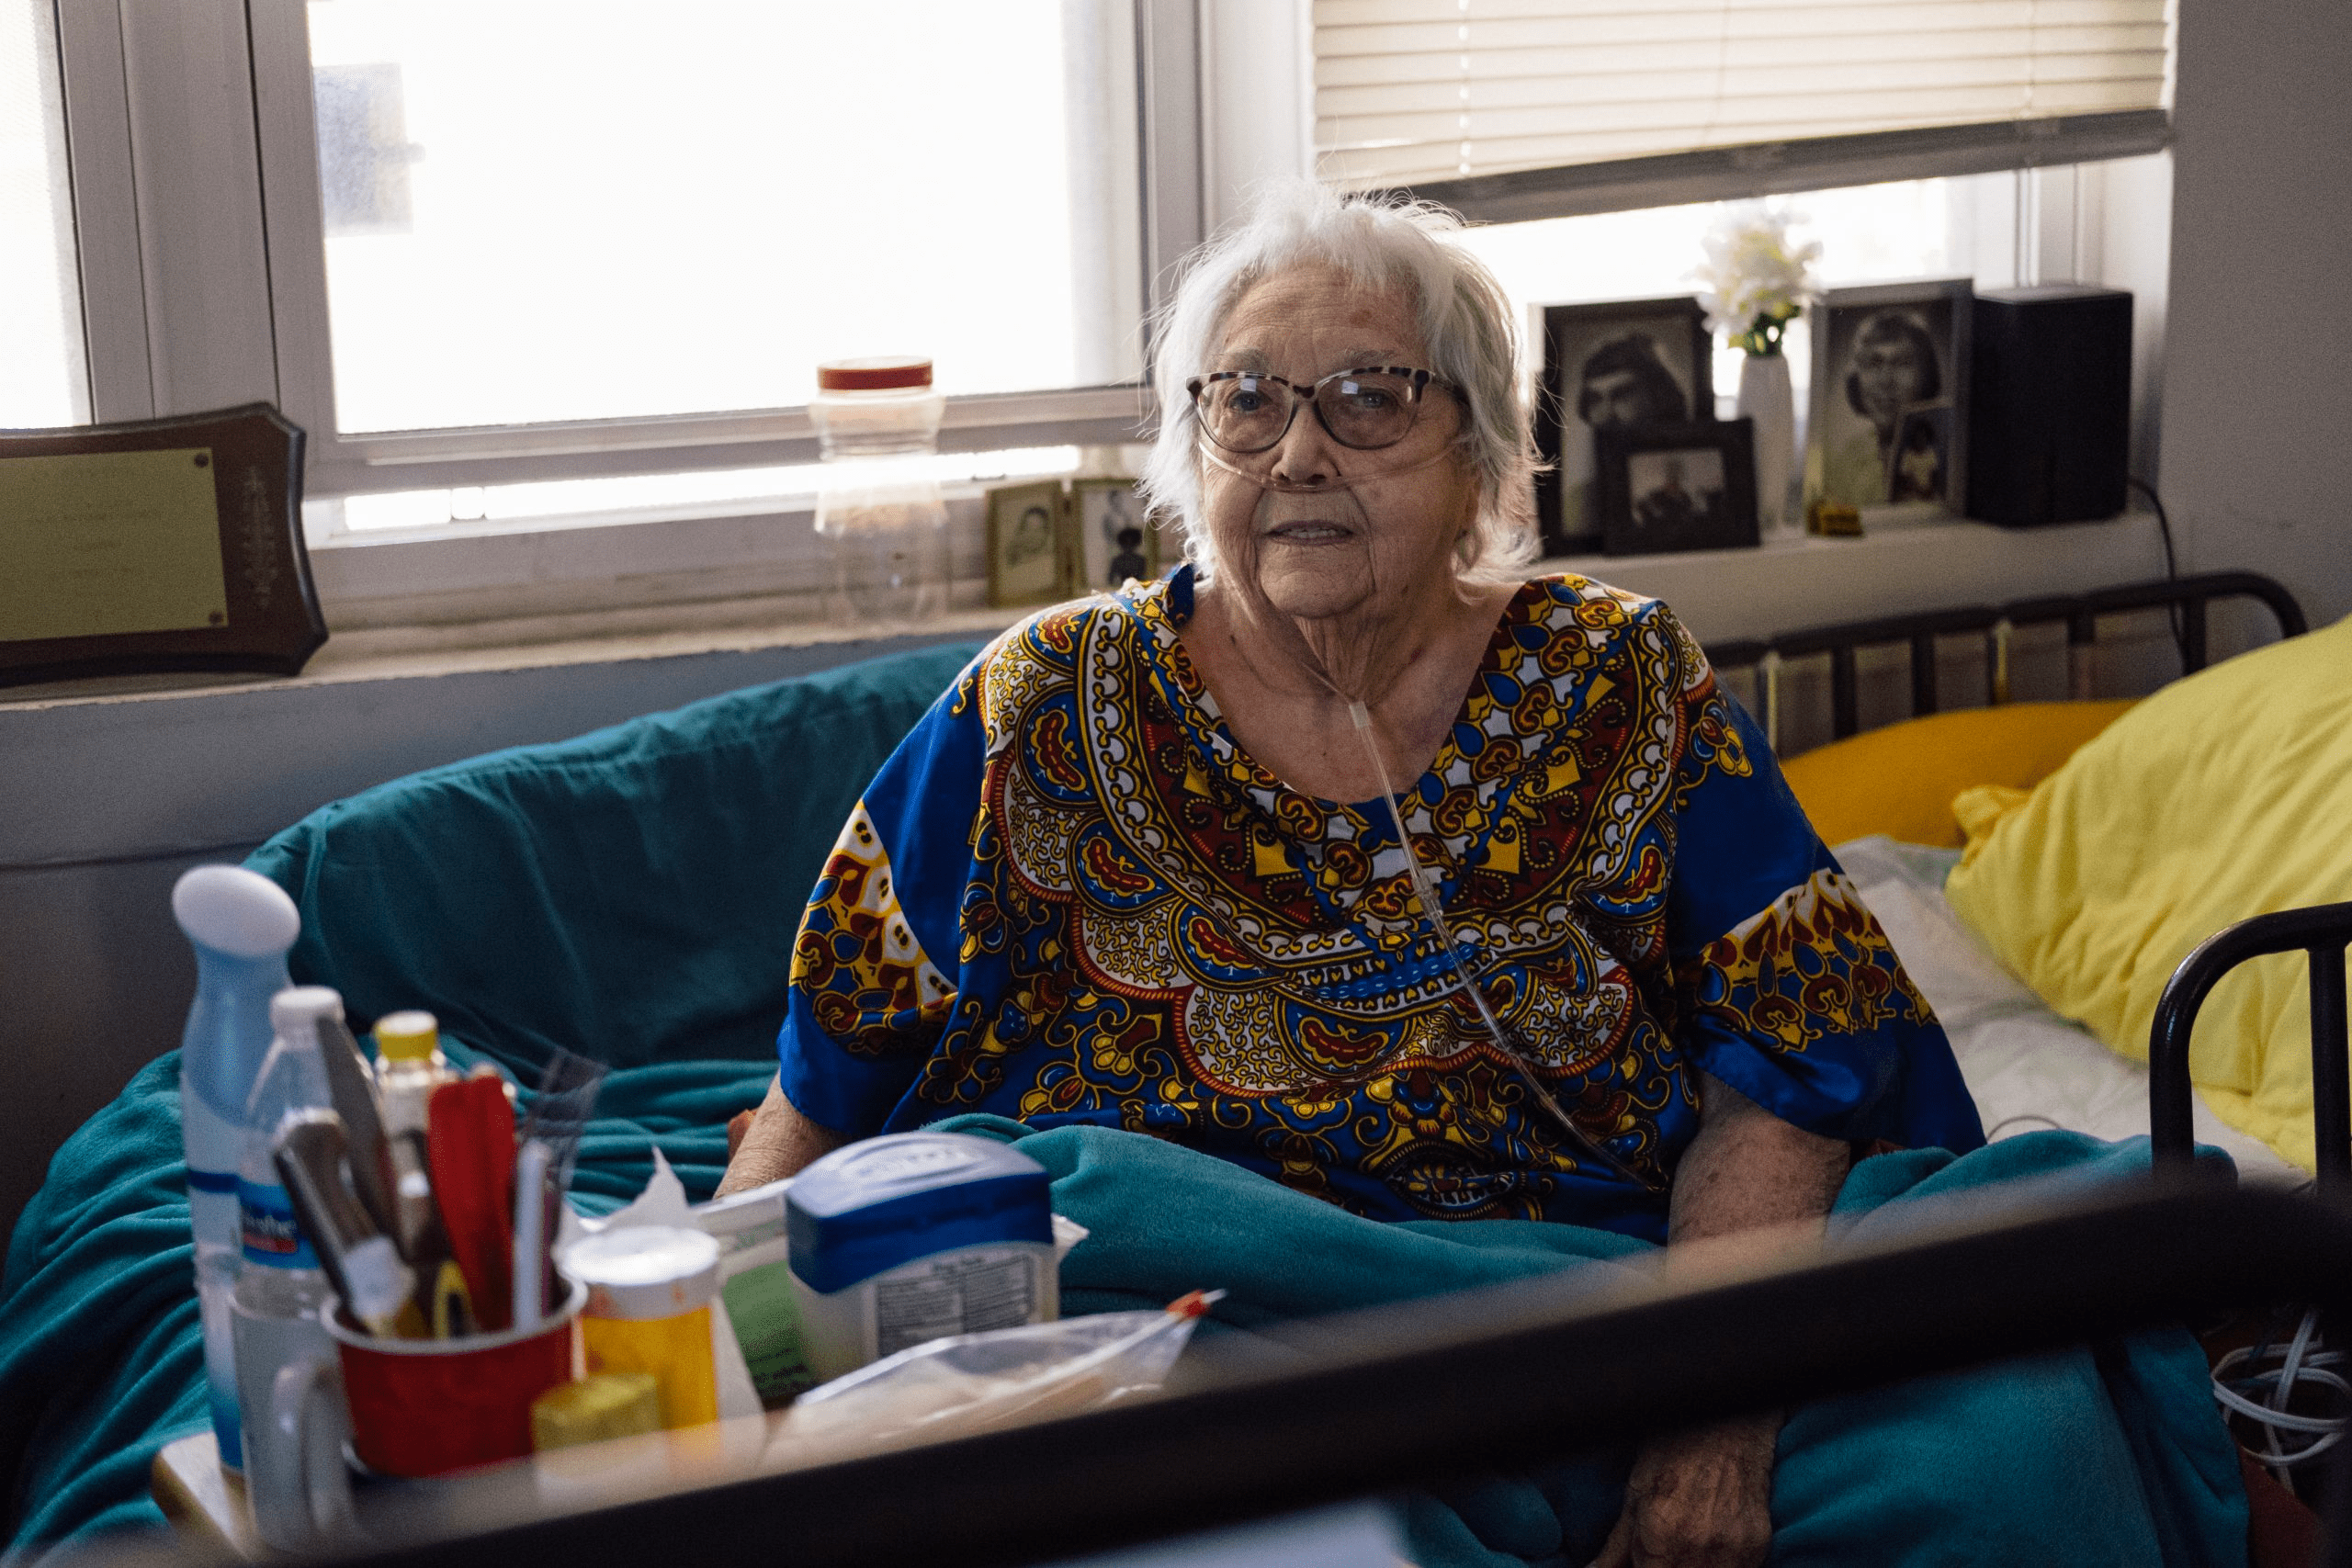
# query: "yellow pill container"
{"points": [[650, 1290]]}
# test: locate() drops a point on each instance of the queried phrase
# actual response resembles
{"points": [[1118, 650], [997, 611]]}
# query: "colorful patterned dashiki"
{"points": [[1071, 897]]}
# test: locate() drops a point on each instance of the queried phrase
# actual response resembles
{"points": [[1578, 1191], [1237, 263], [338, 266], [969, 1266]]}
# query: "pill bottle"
{"points": [[650, 1288], [878, 506], [755, 1282], [914, 1236]]}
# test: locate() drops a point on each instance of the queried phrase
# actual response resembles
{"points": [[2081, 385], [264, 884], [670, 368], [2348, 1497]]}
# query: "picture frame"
{"points": [[1888, 422], [1615, 361], [1664, 488], [1027, 544], [156, 545], [1102, 511]]}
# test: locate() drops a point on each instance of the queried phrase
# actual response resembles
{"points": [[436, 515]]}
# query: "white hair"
{"points": [[1465, 316]]}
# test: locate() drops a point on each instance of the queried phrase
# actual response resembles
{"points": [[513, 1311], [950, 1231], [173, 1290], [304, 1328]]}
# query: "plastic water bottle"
{"points": [[878, 500], [240, 924], [280, 1287]]}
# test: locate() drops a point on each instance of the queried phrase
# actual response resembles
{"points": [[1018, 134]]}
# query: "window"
{"points": [[597, 210], [522, 261], [1549, 106], [1868, 233], [41, 377]]}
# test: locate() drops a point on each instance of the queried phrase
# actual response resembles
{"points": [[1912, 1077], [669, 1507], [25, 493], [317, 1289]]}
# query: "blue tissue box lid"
{"points": [[887, 1201]]}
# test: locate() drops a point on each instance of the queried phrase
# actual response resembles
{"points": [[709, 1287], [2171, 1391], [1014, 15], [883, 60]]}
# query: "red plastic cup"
{"points": [[429, 1407]]}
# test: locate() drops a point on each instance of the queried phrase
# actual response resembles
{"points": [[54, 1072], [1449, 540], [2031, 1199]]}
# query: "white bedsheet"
{"points": [[2026, 1067]]}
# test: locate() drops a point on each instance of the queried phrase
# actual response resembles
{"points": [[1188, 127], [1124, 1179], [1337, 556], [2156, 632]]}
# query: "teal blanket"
{"points": [[2108, 1456], [632, 896], [2080, 1458]]}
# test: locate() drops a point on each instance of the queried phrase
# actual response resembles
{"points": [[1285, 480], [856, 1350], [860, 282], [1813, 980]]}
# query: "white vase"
{"points": [[1765, 396]]}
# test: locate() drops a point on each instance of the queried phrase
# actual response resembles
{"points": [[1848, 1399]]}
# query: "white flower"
{"points": [[1752, 270]]}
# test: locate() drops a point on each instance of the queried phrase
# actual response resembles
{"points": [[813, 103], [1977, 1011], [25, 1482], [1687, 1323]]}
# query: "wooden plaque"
{"points": [[166, 543]]}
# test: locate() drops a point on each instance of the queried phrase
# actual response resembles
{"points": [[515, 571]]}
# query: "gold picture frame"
{"points": [[1028, 551]]}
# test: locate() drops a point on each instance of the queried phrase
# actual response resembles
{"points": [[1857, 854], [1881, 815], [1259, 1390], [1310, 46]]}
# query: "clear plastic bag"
{"points": [[969, 1383]]}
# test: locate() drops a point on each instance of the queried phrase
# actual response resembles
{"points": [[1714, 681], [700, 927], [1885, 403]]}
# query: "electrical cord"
{"points": [[2240, 1381], [2172, 563]]}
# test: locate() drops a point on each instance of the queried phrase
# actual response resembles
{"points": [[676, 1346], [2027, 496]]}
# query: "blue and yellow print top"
{"points": [[1069, 897]]}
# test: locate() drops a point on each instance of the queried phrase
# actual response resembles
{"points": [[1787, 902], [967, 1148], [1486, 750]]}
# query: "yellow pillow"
{"points": [[2226, 794], [1900, 781]]}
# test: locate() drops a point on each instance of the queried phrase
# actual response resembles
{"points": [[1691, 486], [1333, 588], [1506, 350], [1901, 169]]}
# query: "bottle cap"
{"points": [[642, 1272], [886, 372], [610, 1404], [235, 911], [410, 1036], [304, 1004], [887, 1201]]}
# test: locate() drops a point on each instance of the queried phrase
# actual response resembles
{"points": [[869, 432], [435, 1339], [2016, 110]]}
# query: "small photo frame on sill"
{"points": [[1114, 539], [1028, 551], [1677, 487], [156, 545], [1889, 421], [1610, 366]]}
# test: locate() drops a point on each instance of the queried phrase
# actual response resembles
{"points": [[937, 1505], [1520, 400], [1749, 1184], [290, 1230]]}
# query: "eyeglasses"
{"points": [[1366, 408]]}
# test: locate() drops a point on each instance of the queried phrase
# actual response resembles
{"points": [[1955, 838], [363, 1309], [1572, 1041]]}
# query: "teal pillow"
{"points": [[630, 896]]}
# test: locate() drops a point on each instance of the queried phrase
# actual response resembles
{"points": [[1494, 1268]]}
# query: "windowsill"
{"points": [[557, 610]]}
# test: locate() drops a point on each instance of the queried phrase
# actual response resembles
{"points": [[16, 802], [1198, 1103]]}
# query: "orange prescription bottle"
{"points": [[650, 1288]]}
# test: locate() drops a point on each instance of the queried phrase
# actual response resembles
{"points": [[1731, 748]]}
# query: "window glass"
{"points": [[1868, 233], [553, 209], [43, 376]]}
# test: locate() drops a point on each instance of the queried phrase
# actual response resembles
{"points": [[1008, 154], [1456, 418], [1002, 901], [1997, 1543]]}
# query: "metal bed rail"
{"points": [[1999, 625], [2323, 933], [1460, 1387]]}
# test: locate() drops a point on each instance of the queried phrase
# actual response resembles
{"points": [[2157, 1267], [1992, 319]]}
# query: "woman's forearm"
{"points": [[779, 1142], [1748, 1170]]}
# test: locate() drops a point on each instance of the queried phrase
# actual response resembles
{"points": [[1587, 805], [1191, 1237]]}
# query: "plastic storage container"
{"points": [[877, 503], [650, 1288], [907, 1239], [240, 924]]}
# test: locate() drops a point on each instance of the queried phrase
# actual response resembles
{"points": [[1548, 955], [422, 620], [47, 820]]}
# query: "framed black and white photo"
{"points": [[1026, 553], [1114, 541], [1890, 395], [1622, 363], [1677, 487]]}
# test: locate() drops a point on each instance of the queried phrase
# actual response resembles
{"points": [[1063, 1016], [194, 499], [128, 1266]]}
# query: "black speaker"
{"points": [[2049, 404]]}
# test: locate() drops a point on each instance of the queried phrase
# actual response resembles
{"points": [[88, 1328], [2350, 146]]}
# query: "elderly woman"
{"points": [[1146, 866]]}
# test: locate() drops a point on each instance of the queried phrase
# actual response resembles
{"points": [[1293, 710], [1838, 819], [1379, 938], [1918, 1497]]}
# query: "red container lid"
{"points": [[885, 374]]}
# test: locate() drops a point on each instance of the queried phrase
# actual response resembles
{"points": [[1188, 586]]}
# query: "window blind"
{"points": [[1455, 93]]}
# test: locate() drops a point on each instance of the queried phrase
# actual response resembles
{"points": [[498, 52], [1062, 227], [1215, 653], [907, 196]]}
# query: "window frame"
{"points": [[201, 256], [191, 138]]}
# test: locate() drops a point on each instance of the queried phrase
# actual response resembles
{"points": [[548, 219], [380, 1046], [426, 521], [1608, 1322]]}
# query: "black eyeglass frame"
{"points": [[1421, 380]]}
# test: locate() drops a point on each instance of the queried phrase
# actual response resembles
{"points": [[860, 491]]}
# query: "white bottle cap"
{"points": [[644, 1271], [304, 1004], [235, 911]]}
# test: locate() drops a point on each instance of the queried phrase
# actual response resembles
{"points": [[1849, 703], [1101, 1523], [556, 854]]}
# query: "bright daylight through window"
{"points": [[41, 377], [600, 209], [1866, 232]]}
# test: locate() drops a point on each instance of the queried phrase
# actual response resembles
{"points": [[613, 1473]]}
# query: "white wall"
{"points": [[2257, 384]]}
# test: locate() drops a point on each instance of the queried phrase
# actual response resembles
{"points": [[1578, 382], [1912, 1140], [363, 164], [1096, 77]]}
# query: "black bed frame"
{"points": [[1506, 1376], [1492, 1379], [1996, 624]]}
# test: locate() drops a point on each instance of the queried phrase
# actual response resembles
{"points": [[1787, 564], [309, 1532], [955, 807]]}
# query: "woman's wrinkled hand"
{"points": [[1697, 1500]]}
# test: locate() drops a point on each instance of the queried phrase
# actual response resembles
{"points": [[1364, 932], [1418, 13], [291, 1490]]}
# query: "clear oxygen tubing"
{"points": [[1425, 894]]}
